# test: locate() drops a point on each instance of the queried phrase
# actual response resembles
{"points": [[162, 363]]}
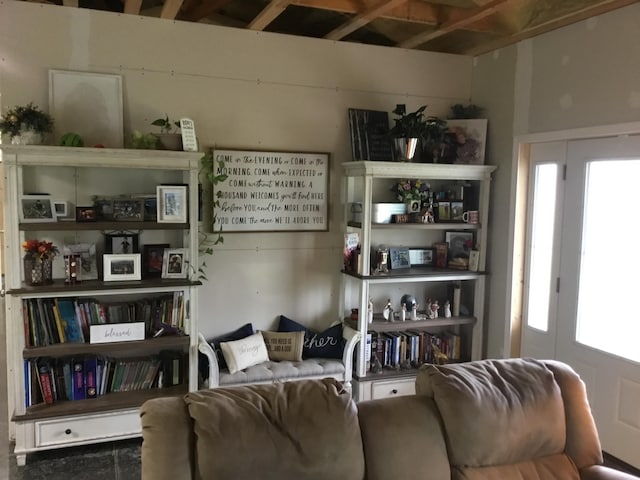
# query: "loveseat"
{"points": [[515, 419]]}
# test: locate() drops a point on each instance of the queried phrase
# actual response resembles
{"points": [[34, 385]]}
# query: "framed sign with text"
{"points": [[272, 191]]}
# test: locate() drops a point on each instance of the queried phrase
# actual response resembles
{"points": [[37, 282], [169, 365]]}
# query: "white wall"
{"points": [[586, 74], [244, 89]]}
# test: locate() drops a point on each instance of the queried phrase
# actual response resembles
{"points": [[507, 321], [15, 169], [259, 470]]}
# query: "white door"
{"points": [[599, 318]]}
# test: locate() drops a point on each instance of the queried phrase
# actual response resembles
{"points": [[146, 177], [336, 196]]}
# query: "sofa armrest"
{"points": [[599, 472], [212, 358], [352, 337]]}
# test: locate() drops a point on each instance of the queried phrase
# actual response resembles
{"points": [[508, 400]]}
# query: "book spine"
{"points": [[78, 380], [90, 381], [46, 388]]}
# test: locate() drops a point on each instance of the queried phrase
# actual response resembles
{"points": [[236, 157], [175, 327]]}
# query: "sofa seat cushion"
{"points": [[270, 371], [304, 430], [496, 412], [552, 467]]}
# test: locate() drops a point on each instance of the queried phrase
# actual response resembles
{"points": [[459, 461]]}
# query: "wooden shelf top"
{"points": [[419, 226], [58, 287], [419, 274], [381, 325], [106, 226]]}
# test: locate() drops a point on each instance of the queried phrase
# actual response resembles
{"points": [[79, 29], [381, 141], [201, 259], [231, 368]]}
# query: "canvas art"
{"points": [[468, 140]]}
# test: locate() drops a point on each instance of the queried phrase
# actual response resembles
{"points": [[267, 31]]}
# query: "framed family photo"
{"points": [[171, 203], [175, 263], [152, 259], [121, 267], [121, 242], [37, 208]]}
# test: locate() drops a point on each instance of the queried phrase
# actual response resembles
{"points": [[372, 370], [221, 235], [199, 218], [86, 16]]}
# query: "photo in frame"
{"points": [[121, 242], [152, 259], [171, 203], [118, 267], [399, 258], [422, 257], [61, 208], [175, 263], [86, 214], [128, 209], [88, 264], [468, 138], [37, 208], [459, 245], [89, 104]]}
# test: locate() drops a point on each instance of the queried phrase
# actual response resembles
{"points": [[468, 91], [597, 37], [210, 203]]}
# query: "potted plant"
{"points": [[38, 258], [410, 128], [168, 138], [26, 124]]}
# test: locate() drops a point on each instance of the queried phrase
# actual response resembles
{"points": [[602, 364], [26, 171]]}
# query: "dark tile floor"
{"points": [[112, 461]]}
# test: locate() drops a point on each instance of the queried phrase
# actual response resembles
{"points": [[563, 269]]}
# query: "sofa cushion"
{"points": [[281, 371], [244, 353], [284, 345], [496, 412], [552, 467], [307, 430], [326, 344]]}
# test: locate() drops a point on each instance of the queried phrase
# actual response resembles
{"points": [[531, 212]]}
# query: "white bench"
{"points": [[284, 371]]}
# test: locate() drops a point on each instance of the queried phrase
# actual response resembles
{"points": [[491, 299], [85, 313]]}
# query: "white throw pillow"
{"points": [[244, 353]]}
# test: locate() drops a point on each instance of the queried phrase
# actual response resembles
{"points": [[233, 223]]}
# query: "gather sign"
{"points": [[271, 191]]}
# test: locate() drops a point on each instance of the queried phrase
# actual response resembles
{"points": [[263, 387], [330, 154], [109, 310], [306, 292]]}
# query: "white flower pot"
{"points": [[27, 137]]}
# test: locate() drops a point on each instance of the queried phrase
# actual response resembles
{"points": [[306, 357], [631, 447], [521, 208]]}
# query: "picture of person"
{"points": [[122, 267], [37, 209], [121, 243], [154, 264], [171, 204], [175, 264]]}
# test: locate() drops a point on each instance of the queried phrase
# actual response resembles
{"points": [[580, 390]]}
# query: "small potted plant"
{"points": [[414, 127], [168, 138], [38, 259], [26, 124]]}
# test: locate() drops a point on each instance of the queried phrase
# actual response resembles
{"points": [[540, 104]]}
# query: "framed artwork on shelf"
{"points": [[171, 203], [128, 209], [121, 242], [152, 259], [61, 208], [121, 267], [460, 245], [422, 257], [467, 141], [37, 208], [86, 214], [399, 258], [175, 263]]}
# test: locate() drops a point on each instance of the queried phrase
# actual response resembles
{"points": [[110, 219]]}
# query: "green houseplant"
{"points": [[26, 124], [414, 127], [168, 138]]}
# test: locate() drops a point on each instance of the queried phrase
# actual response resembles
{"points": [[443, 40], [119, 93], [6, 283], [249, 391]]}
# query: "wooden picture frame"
{"points": [[128, 209], [399, 258], [37, 209], [121, 267], [422, 257], [121, 243], [175, 263], [153, 259], [171, 203], [86, 214]]}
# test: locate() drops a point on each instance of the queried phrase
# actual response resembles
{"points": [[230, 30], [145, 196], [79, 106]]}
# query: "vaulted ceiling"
{"points": [[469, 27]]}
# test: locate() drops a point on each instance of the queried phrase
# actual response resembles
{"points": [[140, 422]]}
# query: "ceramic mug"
{"points": [[471, 216]]}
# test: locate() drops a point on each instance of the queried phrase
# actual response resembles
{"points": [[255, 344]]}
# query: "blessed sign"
{"points": [[272, 191]]}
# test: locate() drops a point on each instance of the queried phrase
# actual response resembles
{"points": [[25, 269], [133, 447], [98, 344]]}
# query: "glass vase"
{"points": [[37, 271]]}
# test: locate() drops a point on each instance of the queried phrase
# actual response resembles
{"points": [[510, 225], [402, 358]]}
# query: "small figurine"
{"points": [[447, 309], [403, 312], [370, 311], [434, 309], [427, 309], [414, 312], [387, 313]]}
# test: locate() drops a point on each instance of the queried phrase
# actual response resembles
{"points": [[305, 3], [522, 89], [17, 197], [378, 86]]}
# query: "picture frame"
{"points": [[444, 211], [119, 267], [456, 211], [121, 243], [153, 259], [104, 208], [89, 104], [422, 257], [89, 264], [128, 209], [399, 258], [468, 138], [171, 203], [175, 263], [150, 209], [60, 208], [459, 244], [86, 214], [441, 250], [37, 209]]}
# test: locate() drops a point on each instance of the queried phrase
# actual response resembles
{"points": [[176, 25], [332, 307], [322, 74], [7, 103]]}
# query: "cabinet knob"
{"points": [[394, 391], [68, 431]]}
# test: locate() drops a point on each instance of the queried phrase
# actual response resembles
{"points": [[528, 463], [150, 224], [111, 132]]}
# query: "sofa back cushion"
{"points": [[552, 467], [496, 412], [306, 430]]}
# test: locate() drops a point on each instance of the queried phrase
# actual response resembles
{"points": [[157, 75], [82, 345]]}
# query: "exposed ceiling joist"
{"points": [[362, 19], [132, 7], [196, 11], [451, 25], [170, 9], [268, 15]]}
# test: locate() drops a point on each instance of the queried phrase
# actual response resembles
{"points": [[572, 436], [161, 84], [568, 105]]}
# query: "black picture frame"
{"points": [[459, 244], [86, 214], [152, 259], [121, 243], [399, 258]]}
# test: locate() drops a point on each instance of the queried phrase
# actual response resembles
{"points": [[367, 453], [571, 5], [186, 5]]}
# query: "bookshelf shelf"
{"points": [[458, 337], [64, 390]]}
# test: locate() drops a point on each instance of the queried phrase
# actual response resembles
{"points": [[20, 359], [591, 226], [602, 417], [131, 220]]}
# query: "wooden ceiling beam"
{"points": [[132, 7], [457, 24], [568, 19], [415, 11], [268, 14], [362, 19], [170, 9], [195, 11]]}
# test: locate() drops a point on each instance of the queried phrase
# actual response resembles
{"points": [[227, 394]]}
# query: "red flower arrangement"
{"points": [[40, 248]]}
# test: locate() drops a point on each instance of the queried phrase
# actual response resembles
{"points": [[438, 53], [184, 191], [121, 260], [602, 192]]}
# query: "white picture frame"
{"points": [[171, 203], [175, 263], [61, 208], [37, 209], [119, 267], [89, 104]]}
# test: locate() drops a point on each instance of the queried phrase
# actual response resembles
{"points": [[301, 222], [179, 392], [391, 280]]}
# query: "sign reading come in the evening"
{"points": [[272, 191]]}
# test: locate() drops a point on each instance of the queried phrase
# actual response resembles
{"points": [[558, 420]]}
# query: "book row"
{"points": [[54, 380], [49, 321], [410, 348]]}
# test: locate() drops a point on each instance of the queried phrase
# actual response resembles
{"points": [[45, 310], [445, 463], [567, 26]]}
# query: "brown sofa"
{"points": [[491, 419]]}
